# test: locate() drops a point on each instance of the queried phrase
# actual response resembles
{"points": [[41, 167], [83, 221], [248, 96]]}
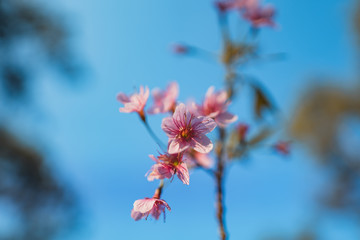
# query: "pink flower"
{"points": [[165, 101], [187, 131], [167, 166], [134, 103], [251, 11], [144, 207], [226, 5], [260, 16], [246, 4], [282, 147], [215, 106]]}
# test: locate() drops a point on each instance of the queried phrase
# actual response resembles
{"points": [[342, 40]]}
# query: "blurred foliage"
{"points": [[319, 114], [32, 39], [44, 205], [236, 53], [319, 124], [327, 121], [356, 24], [262, 102]]}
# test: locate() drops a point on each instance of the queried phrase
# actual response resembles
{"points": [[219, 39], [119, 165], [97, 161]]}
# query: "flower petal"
{"points": [[221, 97], [169, 127], [182, 116], [172, 90], [145, 96], [134, 103], [177, 145], [123, 98], [128, 107], [183, 173], [160, 171], [225, 118], [194, 108], [156, 211], [144, 205], [203, 125], [164, 203], [209, 92], [137, 215], [202, 144]]}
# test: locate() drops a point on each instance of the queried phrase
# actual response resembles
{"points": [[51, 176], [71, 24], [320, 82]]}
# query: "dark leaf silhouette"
{"points": [[261, 102]]}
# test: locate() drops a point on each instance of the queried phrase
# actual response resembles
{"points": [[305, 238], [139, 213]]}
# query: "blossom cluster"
{"points": [[187, 125], [186, 129], [250, 10]]}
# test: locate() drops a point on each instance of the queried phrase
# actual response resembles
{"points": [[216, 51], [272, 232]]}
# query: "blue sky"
{"points": [[103, 153]]}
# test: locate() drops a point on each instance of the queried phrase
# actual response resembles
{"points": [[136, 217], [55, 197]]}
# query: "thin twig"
{"points": [[154, 137]]}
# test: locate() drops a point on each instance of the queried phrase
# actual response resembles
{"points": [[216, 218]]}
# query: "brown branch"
{"points": [[219, 177]]}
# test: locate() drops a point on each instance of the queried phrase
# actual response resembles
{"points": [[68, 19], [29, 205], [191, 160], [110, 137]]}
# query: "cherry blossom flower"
{"points": [[246, 4], [167, 165], [215, 106], [185, 130], [165, 101], [251, 10], [226, 5], [282, 147], [149, 206], [134, 103], [260, 16]]}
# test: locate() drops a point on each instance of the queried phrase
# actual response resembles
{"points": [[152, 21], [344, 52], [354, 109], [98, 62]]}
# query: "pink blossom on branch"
{"points": [[251, 10], [167, 165], [164, 101], [185, 130], [149, 206], [215, 106], [260, 16], [226, 5], [135, 102], [246, 4]]}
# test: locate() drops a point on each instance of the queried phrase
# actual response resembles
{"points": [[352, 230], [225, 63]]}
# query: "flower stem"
{"points": [[158, 191], [153, 135]]}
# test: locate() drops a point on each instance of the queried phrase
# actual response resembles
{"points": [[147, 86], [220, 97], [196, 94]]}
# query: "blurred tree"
{"points": [[32, 38], [327, 121], [44, 205]]}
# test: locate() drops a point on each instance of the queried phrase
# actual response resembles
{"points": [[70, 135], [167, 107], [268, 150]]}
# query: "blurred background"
{"points": [[71, 165]]}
